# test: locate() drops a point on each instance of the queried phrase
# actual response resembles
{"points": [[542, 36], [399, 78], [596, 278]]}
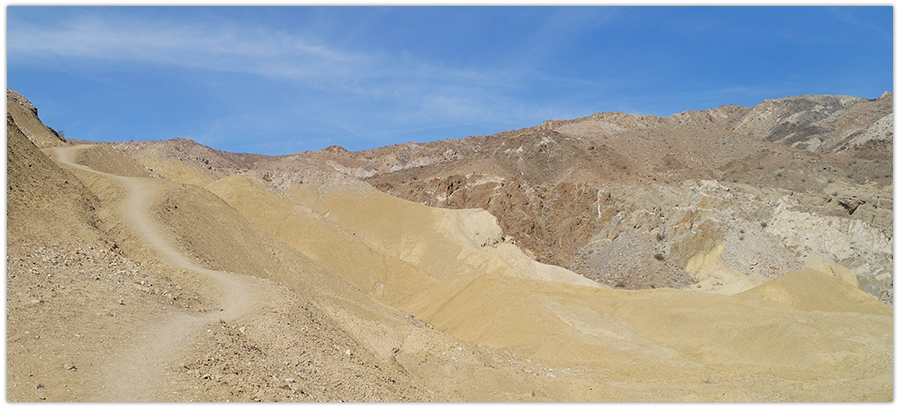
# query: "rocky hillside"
{"points": [[580, 193], [609, 258], [826, 124]]}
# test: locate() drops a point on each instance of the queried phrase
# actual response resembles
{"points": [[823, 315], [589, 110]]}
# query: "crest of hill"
{"points": [[818, 123], [25, 116], [188, 151], [31, 176], [612, 122], [804, 289]]}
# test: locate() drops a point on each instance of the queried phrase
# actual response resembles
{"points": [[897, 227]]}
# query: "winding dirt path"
{"points": [[137, 372]]}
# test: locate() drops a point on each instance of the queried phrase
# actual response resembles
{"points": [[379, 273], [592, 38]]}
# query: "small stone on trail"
{"points": [[69, 367]]}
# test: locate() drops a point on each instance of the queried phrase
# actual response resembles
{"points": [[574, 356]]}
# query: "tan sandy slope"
{"points": [[469, 294]]}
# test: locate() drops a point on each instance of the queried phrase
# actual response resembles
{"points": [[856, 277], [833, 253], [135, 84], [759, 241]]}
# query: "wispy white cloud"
{"points": [[221, 47], [850, 16], [438, 90], [359, 93]]}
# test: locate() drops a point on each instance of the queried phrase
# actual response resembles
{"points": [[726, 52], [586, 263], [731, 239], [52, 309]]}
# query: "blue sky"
{"points": [[280, 80]]}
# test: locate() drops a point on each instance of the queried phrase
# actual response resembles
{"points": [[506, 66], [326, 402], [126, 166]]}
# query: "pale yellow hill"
{"points": [[385, 277], [452, 244], [107, 159], [809, 290], [174, 169], [413, 263], [469, 291]]}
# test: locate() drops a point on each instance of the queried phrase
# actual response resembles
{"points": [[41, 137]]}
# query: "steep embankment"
{"points": [[24, 116]]}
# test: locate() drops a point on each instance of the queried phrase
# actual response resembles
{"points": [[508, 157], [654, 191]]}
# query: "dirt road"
{"points": [[137, 372]]}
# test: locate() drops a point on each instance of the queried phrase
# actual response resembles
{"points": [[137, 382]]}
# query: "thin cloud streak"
{"points": [[235, 49], [156, 42], [437, 90], [369, 76]]}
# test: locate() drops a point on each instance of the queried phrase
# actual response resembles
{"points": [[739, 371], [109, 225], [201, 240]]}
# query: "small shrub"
{"points": [[659, 257]]}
